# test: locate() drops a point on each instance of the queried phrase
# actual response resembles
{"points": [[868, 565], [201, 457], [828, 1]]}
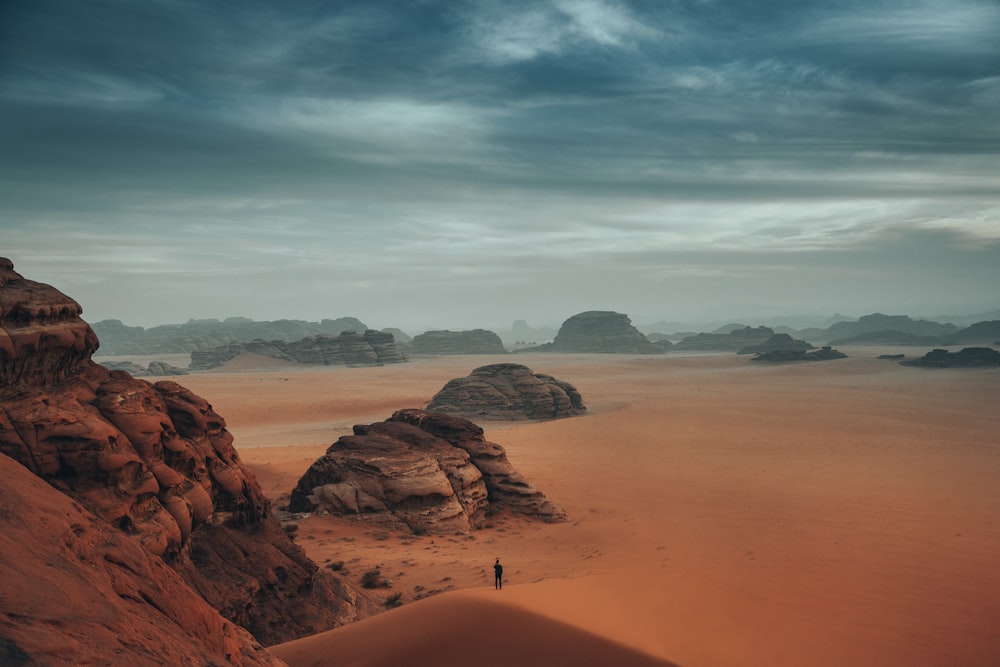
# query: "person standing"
{"points": [[498, 572]]}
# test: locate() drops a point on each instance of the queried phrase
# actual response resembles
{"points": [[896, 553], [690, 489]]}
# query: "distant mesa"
{"points": [[420, 471], [969, 357], [508, 392], [476, 341], [780, 342], [733, 341], [877, 322], [120, 339], [157, 465], [823, 354], [599, 332], [373, 348], [892, 357]]}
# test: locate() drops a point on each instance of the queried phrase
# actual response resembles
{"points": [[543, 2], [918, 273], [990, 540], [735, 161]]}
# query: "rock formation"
{"points": [[476, 341], [508, 392], [421, 471], [373, 348], [155, 462], [599, 331], [79, 591], [735, 340], [780, 342], [969, 357], [154, 368], [118, 338], [824, 354]]}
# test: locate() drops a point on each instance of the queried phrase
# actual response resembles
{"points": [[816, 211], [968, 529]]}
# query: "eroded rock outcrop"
{"points": [[421, 471], [156, 462], [476, 341], [373, 348], [599, 332], [508, 392], [78, 591]]}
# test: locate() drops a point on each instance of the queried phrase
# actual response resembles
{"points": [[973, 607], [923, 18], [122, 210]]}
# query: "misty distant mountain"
{"points": [[117, 338], [877, 322]]}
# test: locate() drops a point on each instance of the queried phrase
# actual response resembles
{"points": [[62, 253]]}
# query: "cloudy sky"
{"points": [[458, 164]]}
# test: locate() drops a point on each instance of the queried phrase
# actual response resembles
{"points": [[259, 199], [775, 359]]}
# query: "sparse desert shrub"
{"points": [[393, 600], [370, 579], [336, 566], [419, 530]]}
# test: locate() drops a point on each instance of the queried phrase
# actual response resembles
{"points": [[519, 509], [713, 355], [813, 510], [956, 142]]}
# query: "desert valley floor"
{"points": [[722, 512]]}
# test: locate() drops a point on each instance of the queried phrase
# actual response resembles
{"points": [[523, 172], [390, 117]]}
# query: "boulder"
{"points": [[508, 392], [599, 331], [476, 341], [419, 471], [156, 463]]}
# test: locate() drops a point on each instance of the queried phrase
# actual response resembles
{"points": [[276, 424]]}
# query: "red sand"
{"points": [[723, 513]]}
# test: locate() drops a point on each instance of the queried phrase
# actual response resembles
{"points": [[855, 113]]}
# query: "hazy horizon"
{"points": [[461, 165]]}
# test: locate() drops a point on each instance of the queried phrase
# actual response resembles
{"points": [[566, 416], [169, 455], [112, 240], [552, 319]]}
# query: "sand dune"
{"points": [[723, 513], [459, 629]]}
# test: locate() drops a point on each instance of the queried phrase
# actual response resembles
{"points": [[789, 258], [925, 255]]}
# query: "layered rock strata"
{"points": [[154, 461], [420, 471], [475, 341], [508, 392]]}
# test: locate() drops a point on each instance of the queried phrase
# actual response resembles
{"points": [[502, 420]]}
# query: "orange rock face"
{"points": [[156, 462]]}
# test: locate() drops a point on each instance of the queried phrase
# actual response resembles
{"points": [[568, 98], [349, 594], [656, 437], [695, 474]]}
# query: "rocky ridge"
{"points": [[420, 471], [156, 463], [119, 338], [508, 392], [373, 348]]}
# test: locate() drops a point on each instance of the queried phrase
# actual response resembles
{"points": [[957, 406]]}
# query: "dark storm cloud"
{"points": [[439, 137]]}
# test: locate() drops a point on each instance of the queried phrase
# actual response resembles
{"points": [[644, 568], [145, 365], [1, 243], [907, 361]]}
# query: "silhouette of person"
{"points": [[498, 571]]}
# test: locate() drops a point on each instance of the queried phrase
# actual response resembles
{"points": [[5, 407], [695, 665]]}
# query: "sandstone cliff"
{"points": [[78, 591], [155, 462], [508, 392], [421, 471]]}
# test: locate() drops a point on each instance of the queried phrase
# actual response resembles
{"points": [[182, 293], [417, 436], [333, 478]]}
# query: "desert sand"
{"points": [[722, 513]]}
